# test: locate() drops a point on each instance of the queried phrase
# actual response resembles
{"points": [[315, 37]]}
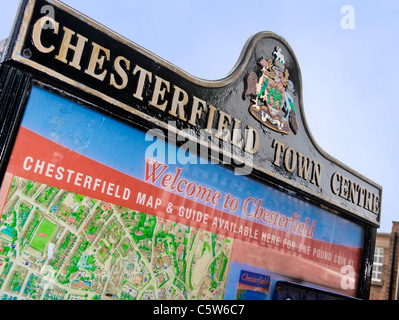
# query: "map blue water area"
{"points": [[123, 148], [8, 231]]}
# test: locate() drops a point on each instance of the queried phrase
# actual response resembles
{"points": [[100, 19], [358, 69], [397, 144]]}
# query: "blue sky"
{"points": [[349, 85]]}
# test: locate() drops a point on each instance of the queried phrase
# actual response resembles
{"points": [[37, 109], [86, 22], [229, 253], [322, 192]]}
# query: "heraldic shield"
{"points": [[272, 94]]}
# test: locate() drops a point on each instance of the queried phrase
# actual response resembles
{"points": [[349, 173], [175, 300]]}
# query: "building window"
{"points": [[377, 265]]}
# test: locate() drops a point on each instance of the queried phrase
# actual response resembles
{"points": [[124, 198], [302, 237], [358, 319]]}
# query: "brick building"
{"points": [[384, 285]]}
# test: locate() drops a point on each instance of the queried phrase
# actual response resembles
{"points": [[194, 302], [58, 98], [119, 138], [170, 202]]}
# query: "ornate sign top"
{"points": [[254, 116]]}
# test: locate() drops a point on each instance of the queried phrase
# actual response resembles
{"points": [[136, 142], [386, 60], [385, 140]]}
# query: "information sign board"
{"points": [[91, 187], [124, 177]]}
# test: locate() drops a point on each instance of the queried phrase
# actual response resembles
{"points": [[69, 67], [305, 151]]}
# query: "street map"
{"points": [[59, 245]]}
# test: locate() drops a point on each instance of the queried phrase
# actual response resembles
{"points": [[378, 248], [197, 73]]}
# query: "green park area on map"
{"points": [[102, 251], [43, 235]]}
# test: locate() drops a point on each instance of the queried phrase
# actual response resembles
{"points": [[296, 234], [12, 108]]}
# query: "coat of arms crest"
{"points": [[271, 94]]}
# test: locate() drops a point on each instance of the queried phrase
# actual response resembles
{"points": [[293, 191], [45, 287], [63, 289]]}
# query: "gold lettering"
{"points": [[376, 203], [66, 46], [211, 115], [224, 120], [290, 167], [344, 188], [360, 191], [196, 110], [367, 200], [355, 193], [37, 33], [278, 147], [237, 139], [159, 92], [179, 104], [303, 166], [316, 174], [140, 85], [252, 140], [352, 191], [119, 70], [97, 62], [336, 177]]}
